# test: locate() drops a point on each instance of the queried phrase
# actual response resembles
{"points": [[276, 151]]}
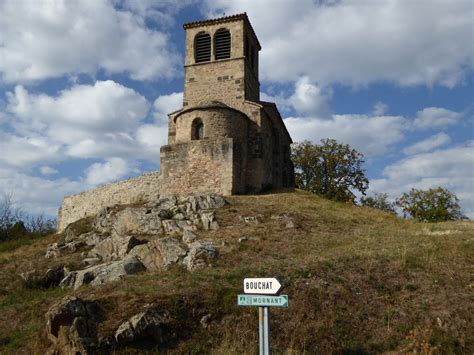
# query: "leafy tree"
{"points": [[433, 205], [329, 169], [379, 201]]}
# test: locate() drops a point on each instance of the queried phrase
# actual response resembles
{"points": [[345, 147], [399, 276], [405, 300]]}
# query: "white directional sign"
{"points": [[262, 286]]}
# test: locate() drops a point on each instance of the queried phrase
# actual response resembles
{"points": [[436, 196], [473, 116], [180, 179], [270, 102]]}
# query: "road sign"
{"points": [[262, 300], [262, 286]]}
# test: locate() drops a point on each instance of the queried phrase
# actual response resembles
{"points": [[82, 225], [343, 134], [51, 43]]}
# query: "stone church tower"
{"points": [[224, 139]]}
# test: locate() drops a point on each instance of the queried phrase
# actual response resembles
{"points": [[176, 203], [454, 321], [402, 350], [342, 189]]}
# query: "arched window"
{"points": [[202, 47], [222, 44], [197, 129]]}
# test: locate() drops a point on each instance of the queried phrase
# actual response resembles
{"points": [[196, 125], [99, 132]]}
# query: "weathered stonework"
{"points": [[89, 203], [224, 139]]}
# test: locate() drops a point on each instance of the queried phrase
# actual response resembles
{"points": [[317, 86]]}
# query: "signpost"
{"points": [[262, 286], [262, 292]]}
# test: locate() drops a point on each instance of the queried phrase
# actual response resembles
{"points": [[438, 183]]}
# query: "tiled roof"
{"points": [[237, 17]]}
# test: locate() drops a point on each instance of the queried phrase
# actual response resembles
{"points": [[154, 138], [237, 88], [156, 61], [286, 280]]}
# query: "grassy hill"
{"points": [[359, 281]]}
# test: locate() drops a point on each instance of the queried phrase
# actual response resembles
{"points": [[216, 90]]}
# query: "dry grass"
{"points": [[359, 281]]}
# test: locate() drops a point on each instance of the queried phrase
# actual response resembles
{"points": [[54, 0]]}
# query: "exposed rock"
{"points": [[206, 320], [189, 237], [207, 220], [137, 221], [251, 219], [113, 248], [51, 278], [71, 325], [286, 220], [148, 255], [243, 239], [147, 324], [103, 273], [170, 250], [200, 255], [52, 251]]}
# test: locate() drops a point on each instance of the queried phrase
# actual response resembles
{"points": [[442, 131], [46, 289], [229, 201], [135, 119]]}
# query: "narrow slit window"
{"points": [[222, 44], [202, 47], [197, 129]]}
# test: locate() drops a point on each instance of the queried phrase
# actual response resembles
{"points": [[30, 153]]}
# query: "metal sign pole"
{"points": [[266, 331], [260, 330]]}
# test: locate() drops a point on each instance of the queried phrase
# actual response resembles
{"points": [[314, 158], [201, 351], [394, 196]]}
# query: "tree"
{"points": [[14, 223], [379, 201], [329, 169], [433, 205]]}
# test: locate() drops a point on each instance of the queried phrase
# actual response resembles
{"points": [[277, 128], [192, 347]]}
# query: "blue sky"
{"points": [[85, 87]]}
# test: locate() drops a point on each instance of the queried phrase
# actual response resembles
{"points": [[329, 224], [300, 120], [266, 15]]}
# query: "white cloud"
{"points": [[166, 104], [37, 195], [452, 168], [47, 170], [434, 117], [18, 151], [112, 169], [371, 135], [309, 98], [360, 42], [47, 39], [379, 109], [428, 144]]}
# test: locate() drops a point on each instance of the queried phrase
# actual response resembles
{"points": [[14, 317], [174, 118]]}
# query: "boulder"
{"points": [[103, 273], [200, 255], [137, 221], [170, 250], [149, 324], [113, 248], [189, 237], [71, 325], [207, 220]]}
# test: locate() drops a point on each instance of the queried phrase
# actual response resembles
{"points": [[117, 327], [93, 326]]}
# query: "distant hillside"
{"points": [[359, 281]]}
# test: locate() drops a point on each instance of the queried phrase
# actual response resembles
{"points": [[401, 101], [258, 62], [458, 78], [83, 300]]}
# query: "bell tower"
{"points": [[221, 62]]}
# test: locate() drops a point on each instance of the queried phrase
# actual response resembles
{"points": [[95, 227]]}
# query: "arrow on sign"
{"points": [[262, 286]]}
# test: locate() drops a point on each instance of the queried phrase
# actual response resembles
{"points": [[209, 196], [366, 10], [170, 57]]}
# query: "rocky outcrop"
{"points": [[150, 324], [123, 240], [200, 255], [71, 325], [103, 273]]}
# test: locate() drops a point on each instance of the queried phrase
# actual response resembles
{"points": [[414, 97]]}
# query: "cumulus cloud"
{"points": [[452, 168], [48, 39], [435, 117], [428, 144], [166, 104], [36, 194], [371, 135], [310, 98], [112, 169], [86, 121], [360, 42], [18, 151]]}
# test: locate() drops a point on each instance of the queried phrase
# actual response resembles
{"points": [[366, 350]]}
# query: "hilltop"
{"points": [[359, 281]]}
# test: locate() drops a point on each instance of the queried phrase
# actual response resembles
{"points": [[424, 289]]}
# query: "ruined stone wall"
{"points": [[89, 203], [198, 166]]}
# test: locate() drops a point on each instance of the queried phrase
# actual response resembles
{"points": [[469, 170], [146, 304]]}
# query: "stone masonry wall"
{"points": [[198, 166], [89, 203]]}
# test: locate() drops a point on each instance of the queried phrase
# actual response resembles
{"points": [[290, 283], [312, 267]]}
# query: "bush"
{"points": [[379, 201], [16, 224], [433, 205]]}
